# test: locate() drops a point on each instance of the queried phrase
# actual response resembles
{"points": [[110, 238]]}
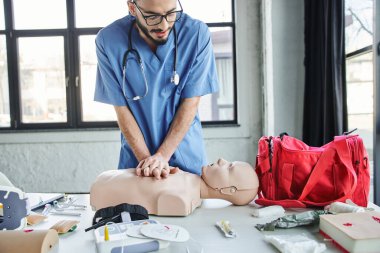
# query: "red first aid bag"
{"points": [[293, 174]]}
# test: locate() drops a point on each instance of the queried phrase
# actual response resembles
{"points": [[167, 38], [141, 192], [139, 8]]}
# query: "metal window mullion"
{"points": [[12, 62], [235, 120], [71, 100], [220, 24], [77, 80]]}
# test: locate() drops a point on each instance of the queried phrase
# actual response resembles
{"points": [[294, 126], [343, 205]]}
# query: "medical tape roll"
{"points": [[36, 241], [268, 211]]}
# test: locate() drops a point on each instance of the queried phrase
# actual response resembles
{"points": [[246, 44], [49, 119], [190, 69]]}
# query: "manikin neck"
{"points": [[231, 194], [207, 192]]}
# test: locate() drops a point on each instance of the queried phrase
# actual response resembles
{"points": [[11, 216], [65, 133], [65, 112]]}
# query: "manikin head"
{"points": [[236, 182], [155, 18]]}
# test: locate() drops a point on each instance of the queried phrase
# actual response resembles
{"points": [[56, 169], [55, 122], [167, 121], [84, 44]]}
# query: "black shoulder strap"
{"points": [[113, 214]]}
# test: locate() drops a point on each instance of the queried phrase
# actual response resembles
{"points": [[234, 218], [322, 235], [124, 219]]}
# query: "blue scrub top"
{"points": [[155, 112]]}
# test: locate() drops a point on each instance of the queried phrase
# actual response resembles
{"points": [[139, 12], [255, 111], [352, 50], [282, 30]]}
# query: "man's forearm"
{"points": [[179, 127], [132, 133]]}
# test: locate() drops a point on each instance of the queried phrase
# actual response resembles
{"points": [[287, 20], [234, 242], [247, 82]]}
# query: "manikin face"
{"points": [[157, 34], [230, 177]]}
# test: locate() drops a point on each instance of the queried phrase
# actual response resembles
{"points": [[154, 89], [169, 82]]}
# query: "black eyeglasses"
{"points": [[170, 17]]}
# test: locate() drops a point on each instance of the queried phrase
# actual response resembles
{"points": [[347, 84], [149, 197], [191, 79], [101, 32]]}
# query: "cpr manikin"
{"points": [[180, 193]]}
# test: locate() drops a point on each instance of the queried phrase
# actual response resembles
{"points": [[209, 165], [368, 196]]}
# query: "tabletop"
{"points": [[204, 235]]}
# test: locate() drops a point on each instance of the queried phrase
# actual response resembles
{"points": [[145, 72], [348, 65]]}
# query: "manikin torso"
{"points": [[180, 193]]}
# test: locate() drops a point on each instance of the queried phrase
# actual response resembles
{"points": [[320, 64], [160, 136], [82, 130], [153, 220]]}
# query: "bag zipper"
{"points": [[365, 194], [357, 168], [357, 163], [356, 154], [270, 152], [270, 174]]}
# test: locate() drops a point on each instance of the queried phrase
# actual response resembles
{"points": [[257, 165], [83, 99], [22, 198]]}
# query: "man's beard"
{"points": [[149, 36]]}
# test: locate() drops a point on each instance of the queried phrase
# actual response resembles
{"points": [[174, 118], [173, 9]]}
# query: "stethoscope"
{"points": [[174, 79]]}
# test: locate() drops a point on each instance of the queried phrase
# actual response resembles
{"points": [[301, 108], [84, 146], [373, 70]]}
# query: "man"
{"points": [[156, 109]]}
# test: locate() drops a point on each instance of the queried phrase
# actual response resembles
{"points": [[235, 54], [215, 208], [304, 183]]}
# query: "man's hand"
{"points": [[155, 166]]}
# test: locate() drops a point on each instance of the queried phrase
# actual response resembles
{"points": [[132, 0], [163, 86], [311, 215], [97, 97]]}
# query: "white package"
{"points": [[295, 244], [268, 211], [339, 207]]}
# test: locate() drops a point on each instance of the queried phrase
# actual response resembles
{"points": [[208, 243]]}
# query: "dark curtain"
{"points": [[325, 107]]}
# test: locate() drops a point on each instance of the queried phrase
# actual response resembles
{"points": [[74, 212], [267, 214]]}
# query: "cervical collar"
{"points": [[14, 208]]}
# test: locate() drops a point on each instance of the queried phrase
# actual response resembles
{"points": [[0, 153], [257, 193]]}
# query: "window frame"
{"points": [[71, 36], [376, 142], [357, 53]]}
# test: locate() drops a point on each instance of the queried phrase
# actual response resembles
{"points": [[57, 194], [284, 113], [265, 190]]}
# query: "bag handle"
{"points": [[344, 154], [317, 172], [286, 203], [319, 169]]}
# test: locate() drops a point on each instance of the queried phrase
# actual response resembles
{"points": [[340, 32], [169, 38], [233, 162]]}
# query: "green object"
{"points": [[73, 228], [293, 220]]}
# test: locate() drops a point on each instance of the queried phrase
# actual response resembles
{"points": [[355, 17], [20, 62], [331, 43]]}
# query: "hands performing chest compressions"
{"points": [[180, 193], [155, 166]]}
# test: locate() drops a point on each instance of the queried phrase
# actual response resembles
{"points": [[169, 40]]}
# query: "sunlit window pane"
{"points": [[359, 24], [360, 100], [360, 97], [91, 110], [99, 13], [42, 79], [220, 106], [4, 90], [2, 20], [40, 14], [209, 11]]}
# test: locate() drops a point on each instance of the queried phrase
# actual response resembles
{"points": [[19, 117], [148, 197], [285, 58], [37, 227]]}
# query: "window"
{"points": [[50, 48], [2, 20], [39, 14], [218, 14], [5, 120], [42, 79], [359, 69]]}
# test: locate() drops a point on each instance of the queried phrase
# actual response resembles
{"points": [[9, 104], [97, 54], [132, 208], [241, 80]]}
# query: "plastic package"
{"points": [[225, 227], [191, 246], [295, 244], [268, 211]]}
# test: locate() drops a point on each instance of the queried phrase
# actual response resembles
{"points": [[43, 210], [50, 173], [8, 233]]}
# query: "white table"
{"points": [[201, 226]]}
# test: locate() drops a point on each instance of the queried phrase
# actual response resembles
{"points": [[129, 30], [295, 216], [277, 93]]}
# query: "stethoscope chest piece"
{"points": [[175, 78]]}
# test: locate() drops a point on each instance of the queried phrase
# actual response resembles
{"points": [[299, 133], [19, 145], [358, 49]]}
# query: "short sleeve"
{"points": [[107, 89], [203, 77]]}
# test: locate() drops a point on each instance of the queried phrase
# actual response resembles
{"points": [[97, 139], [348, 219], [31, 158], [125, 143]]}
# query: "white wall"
{"points": [[288, 68], [69, 161]]}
